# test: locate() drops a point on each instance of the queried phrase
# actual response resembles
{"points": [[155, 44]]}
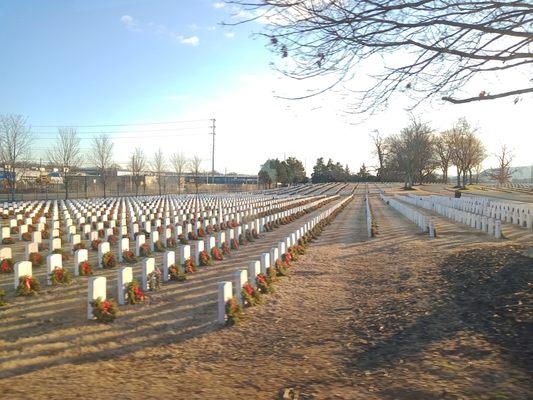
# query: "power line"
{"points": [[113, 125], [128, 131], [137, 137]]}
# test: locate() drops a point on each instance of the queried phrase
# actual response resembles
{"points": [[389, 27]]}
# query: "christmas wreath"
{"points": [[233, 312], [255, 235], [175, 274], [271, 275], [192, 236], [95, 243], [171, 242], [201, 232], [15, 230], [26, 236], [250, 296], [225, 248], [144, 250], [234, 244], [85, 269], [108, 260], [188, 266], [281, 268], [182, 239], [154, 280], [60, 276], [286, 258], [205, 259], [158, 246], [8, 240], [129, 256], [216, 254], [264, 285], [134, 292], [104, 310], [242, 240], [6, 265], [113, 240], [36, 259], [45, 234], [28, 286], [2, 295]]}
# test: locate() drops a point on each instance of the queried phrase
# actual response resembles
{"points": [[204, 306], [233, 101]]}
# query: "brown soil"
{"points": [[399, 316]]}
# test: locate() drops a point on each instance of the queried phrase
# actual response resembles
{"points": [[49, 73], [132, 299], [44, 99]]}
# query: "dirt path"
{"points": [[400, 316]]}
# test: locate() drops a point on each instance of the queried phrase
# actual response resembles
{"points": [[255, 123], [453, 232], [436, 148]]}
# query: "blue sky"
{"points": [[129, 61], [107, 61]]}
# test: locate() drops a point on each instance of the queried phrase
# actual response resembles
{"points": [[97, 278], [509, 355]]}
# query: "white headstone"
{"points": [[97, 288], [168, 259], [21, 269], [240, 278], [103, 248], [254, 269], [80, 256], [265, 262], [124, 277], [147, 268], [53, 261], [224, 294]]}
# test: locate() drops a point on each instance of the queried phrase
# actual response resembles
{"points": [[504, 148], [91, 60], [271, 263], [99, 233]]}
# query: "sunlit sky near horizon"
{"points": [[94, 63]]}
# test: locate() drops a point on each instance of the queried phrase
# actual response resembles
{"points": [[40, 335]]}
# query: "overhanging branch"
{"points": [[488, 96]]}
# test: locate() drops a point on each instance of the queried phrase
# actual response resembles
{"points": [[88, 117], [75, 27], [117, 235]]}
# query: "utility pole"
{"points": [[213, 126]]}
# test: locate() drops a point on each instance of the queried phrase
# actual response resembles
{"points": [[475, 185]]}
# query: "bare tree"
{"points": [[158, 168], [137, 166], [179, 162], [195, 167], [102, 157], [379, 151], [15, 145], [412, 152], [65, 154], [444, 153], [466, 149], [443, 45], [502, 173]]}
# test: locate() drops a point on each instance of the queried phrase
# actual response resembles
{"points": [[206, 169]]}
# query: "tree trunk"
{"points": [[445, 175], [458, 177], [66, 186]]}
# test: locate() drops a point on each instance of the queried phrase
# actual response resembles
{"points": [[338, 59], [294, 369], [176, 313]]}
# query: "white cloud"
{"points": [[196, 27], [126, 19], [230, 35], [218, 5], [190, 40], [129, 22]]}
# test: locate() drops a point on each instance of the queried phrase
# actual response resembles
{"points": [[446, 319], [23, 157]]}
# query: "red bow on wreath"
{"points": [[27, 282]]}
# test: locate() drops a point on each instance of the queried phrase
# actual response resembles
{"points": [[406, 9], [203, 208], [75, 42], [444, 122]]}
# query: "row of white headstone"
{"points": [[97, 286], [516, 213], [369, 216], [490, 226], [425, 223], [228, 289], [55, 242]]}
